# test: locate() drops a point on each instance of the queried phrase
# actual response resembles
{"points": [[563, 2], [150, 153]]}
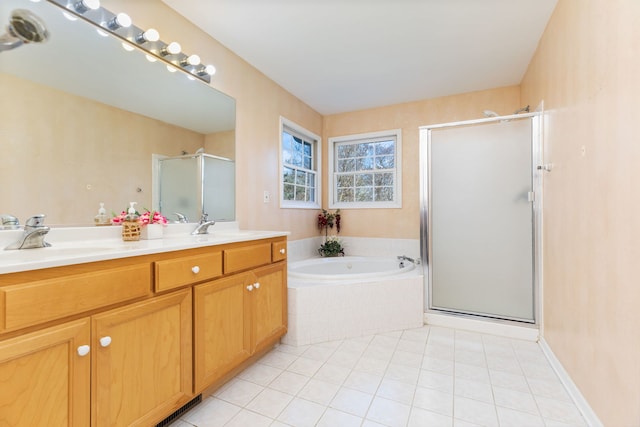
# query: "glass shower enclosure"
{"points": [[194, 184], [480, 213]]}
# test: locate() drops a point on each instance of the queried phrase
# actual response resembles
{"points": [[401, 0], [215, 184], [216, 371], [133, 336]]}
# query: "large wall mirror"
{"points": [[82, 120]]}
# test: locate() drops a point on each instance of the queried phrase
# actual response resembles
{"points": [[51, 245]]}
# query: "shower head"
{"points": [[490, 113], [24, 27]]}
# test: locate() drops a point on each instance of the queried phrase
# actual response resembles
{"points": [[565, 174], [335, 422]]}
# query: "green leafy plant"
{"points": [[331, 247]]}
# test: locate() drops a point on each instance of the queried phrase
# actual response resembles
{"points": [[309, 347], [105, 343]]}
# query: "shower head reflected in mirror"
{"points": [[24, 27], [490, 113]]}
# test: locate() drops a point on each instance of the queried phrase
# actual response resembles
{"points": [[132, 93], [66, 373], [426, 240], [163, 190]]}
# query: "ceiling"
{"points": [[347, 55]]}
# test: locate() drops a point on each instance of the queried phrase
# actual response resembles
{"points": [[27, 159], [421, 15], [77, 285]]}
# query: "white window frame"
{"points": [[317, 167], [332, 181]]}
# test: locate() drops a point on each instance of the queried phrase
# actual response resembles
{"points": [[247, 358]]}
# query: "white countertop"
{"points": [[76, 245]]}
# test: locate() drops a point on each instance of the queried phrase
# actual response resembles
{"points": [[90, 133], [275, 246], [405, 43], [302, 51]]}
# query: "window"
{"points": [[300, 160], [365, 170]]}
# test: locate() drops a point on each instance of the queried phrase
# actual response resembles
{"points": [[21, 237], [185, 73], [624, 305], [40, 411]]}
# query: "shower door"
{"points": [[478, 217]]}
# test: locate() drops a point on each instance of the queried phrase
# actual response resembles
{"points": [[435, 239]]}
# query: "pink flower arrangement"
{"points": [[154, 217], [149, 217]]}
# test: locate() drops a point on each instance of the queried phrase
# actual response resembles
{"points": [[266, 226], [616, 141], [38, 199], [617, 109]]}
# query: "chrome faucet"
{"points": [[33, 236], [9, 222], [182, 218], [203, 226], [403, 258]]}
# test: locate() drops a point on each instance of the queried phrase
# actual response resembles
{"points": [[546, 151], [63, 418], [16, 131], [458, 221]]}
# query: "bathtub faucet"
{"points": [[403, 258]]}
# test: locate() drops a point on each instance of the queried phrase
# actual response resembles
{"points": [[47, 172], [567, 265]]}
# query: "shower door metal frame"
{"points": [[536, 206]]}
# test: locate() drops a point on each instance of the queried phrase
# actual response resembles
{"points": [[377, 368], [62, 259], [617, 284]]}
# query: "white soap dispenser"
{"points": [[102, 218], [132, 215]]}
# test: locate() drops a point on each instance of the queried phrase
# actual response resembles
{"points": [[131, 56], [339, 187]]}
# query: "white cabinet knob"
{"points": [[83, 350], [195, 269], [250, 288], [105, 341], [282, 251], [256, 285]]}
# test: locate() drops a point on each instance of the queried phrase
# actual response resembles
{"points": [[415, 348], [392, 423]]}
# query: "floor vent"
{"points": [[193, 402]]}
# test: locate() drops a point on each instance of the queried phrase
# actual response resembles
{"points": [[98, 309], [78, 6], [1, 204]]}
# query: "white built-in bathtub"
{"points": [[347, 297]]}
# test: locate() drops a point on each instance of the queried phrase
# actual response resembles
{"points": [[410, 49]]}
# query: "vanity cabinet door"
{"points": [[221, 328], [268, 305], [141, 366], [45, 377]]}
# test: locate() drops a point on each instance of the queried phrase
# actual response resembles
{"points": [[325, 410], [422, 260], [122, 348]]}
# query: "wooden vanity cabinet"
{"points": [[43, 380], [108, 351], [142, 369], [240, 315]]}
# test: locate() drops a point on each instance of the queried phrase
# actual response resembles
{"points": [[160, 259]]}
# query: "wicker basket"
{"points": [[130, 231]]}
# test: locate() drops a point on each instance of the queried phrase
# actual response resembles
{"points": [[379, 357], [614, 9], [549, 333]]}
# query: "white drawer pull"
{"points": [[282, 251], [250, 288], [83, 350], [105, 341], [195, 269], [256, 285]]}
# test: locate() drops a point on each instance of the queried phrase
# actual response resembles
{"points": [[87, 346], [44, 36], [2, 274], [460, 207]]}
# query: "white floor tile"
{"points": [[431, 376], [332, 373], [352, 401], [510, 417], [318, 391], [396, 390], [422, 418], [302, 413], [305, 366], [388, 412], [240, 392], [247, 418], [473, 390], [434, 401], [363, 381], [516, 400], [335, 418], [289, 382], [260, 374], [473, 411], [269, 402], [212, 412]]}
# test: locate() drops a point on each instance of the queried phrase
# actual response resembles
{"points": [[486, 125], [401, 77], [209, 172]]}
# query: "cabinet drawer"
{"points": [[243, 258], [40, 301], [279, 251], [174, 273]]}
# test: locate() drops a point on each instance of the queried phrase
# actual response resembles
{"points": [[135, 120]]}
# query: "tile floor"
{"points": [[431, 376]]}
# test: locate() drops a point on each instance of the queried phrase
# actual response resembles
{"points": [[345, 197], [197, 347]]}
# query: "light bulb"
{"points": [[210, 69], [84, 5], [150, 35], [172, 48], [191, 60], [121, 20]]}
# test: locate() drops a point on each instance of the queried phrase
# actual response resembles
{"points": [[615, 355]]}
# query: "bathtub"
{"points": [[348, 297]]}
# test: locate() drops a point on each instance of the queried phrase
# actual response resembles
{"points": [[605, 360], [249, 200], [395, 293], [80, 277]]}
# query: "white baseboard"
{"points": [[482, 326], [583, 406]]}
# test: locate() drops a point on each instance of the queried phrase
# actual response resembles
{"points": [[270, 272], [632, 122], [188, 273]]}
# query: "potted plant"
{"points": [[332, 246]]}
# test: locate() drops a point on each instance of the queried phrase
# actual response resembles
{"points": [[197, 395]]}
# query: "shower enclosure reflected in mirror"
{"points": [[82, 117], [195, 184]]}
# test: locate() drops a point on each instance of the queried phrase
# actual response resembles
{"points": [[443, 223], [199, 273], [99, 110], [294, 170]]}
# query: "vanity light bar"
{"points": [[120, 25]]}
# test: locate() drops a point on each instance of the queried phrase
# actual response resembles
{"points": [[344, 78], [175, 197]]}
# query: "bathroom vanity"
{"points": [[128, 332]]}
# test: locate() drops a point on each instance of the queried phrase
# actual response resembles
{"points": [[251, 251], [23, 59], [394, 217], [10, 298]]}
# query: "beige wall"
{"points": [[404, 223], [587, 70]]}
